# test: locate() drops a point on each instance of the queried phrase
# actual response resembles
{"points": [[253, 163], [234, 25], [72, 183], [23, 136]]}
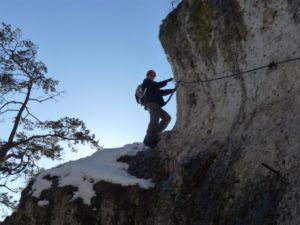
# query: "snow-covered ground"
{"points": [[85, 172]]}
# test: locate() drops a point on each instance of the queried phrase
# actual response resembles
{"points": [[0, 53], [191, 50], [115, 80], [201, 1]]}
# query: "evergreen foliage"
{"points": [[23, 81]]}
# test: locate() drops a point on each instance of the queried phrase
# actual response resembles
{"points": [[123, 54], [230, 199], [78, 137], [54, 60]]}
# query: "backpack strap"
{"points": [[144, 92]]}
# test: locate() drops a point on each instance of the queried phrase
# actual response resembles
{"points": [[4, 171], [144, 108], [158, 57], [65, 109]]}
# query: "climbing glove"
{"points": [[170, 79]]}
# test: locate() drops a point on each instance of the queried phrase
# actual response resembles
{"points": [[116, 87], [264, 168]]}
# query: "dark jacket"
{"points": [[153, 92]]}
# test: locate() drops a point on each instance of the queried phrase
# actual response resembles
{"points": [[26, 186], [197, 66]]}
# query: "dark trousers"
{"points": [[159, 120]]}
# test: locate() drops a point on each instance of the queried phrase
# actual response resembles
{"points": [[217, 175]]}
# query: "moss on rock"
{"points": [[202, 17]]}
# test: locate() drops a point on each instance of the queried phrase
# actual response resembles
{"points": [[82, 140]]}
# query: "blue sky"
{"points": [[99, 50]]}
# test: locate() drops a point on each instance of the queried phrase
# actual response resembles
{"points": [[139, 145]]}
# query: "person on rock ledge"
{"points": [[153, 102]]}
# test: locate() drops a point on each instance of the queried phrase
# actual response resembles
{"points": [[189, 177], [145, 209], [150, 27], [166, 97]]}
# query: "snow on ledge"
{"points": [[43, 203], [85, 172]]}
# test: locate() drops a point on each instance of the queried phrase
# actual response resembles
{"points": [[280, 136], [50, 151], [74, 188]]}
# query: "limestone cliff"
{"points": [[233, 156]]}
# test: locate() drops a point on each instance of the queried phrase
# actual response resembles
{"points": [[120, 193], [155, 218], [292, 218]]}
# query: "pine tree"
{"points": [[29, 139]]}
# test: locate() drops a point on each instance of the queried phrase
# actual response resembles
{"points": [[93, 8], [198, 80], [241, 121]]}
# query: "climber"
{"points": [[153, 101]]}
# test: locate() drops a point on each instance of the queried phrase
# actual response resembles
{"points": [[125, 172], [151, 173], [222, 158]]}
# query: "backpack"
{"points": [[140, 94]]}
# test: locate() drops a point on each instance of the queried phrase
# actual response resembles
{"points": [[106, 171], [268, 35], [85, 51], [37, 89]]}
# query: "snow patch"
{"points": [[42, 184], [85, 172], [43, 203]]}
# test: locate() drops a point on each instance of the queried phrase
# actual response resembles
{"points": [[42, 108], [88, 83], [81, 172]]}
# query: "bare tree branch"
{"points": [[10, 189], [35, 137], [30, 114], [48, 98], [8, 110], [10, 102]]}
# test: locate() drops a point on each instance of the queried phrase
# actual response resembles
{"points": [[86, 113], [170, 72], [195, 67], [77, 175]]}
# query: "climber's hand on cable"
{"points": [[176, 86]]}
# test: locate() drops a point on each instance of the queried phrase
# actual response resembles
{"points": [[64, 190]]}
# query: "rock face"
{"points": [[233, 156]]}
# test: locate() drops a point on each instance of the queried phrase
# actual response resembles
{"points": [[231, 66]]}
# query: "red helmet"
{"points": [[150, 72]]}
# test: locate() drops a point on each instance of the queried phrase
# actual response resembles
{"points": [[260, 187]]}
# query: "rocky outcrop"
{"points": [[233, 156], [244, 129]]}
